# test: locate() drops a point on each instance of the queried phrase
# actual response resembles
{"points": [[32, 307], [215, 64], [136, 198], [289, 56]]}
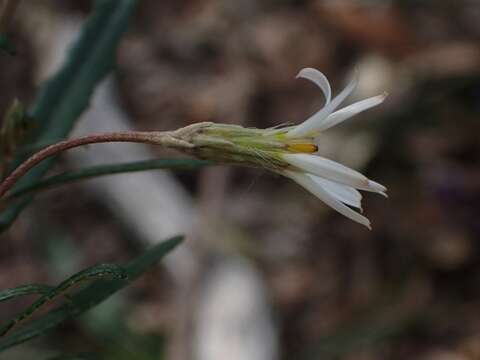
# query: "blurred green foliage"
{"points": [[67, 94], [58, 106], [109, 169], [86, 298]]}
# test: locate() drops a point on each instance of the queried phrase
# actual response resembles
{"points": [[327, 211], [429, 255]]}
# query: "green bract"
{"points": [[235, 144]]}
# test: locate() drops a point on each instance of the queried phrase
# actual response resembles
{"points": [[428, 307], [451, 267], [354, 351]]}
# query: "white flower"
{"points": [[333, 183], [292, 150]]}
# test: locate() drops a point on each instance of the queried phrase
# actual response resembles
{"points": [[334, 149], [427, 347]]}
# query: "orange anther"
{"points": [[302, 148]]}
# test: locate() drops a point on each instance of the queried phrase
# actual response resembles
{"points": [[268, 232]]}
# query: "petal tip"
{"points": [[376, 187], [306, 73], [365, 222]]}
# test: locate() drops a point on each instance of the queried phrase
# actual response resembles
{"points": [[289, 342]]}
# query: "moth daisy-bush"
{"points": [[292, 151], [333, 183]]}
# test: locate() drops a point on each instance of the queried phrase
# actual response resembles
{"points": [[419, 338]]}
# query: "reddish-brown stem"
{"points": [[127, 136]]}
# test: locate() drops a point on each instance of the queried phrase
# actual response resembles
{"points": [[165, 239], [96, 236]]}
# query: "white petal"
{"points": [[316, 120], [328, 169], [376, 187], [349, 111], [318, 79], [334, 171], [346, 194], [306, 181]]}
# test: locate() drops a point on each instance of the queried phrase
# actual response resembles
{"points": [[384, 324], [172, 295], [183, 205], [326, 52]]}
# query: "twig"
{"points": [[166, 139]]}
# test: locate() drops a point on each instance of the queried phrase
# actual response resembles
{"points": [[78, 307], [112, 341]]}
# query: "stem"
{"points": [[153, 137]]}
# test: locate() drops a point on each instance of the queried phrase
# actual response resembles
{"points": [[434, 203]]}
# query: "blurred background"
{"points": [[267, 270]]}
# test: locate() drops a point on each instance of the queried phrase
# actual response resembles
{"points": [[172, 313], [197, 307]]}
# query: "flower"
{"points": [[292, 150], [333, 183]]}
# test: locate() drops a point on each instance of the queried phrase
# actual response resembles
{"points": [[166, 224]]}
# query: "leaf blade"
{"points": [[67, 94], [109, 169], [89, 297], [23, 290]]}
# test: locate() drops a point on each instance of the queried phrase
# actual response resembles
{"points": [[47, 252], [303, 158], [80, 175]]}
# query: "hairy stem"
{"points": [[166, 139]]}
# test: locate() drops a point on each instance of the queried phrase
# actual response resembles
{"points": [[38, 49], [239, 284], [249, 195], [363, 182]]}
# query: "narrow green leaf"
{"points": [[111, 270], [89, 297], [23, 290], [103, 170], [65, 96]]}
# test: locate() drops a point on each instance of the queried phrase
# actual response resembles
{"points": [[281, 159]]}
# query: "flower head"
{"points": [[292, 150]]}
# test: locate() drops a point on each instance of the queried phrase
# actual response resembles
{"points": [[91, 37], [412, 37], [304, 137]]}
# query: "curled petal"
{"points": [[346, 194], [316, 189], [314, 122], [319, 79], [347, 112]]}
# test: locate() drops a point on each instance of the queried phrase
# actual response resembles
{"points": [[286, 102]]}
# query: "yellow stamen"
{"points": [[302, 148]]}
